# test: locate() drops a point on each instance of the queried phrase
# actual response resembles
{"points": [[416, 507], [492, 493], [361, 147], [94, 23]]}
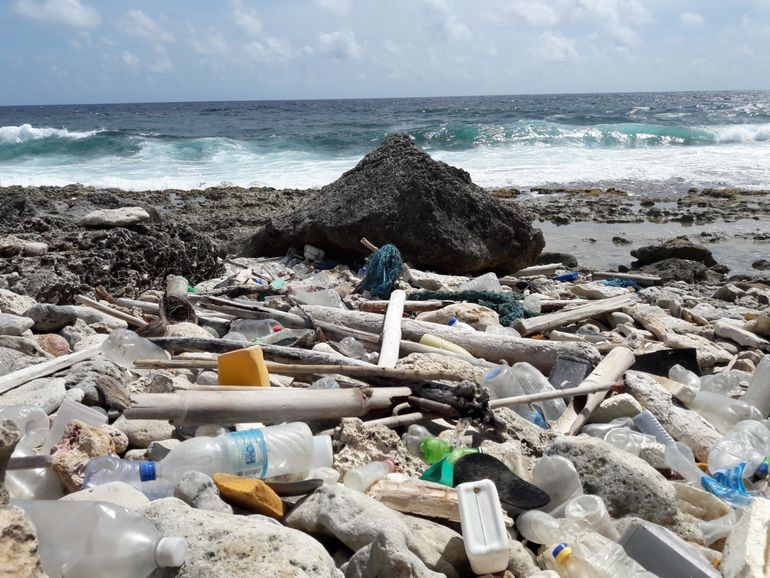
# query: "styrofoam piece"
{"points": [[481, 518]]}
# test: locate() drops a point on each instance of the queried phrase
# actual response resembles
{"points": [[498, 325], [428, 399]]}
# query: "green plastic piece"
{"points": [[277, 284], [434, 450], [458, 453], [191, 289], [442, 472]]}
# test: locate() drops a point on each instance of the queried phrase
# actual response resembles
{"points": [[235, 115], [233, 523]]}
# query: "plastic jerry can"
{"points": [[481, 518], [243, 367]]}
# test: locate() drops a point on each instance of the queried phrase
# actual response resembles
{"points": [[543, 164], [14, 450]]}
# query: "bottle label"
{"points": [[251, 453]]}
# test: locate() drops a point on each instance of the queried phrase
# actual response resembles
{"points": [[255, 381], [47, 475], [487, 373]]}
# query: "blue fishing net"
{"points": [[507, 305], [615, 282], [383, 269]]}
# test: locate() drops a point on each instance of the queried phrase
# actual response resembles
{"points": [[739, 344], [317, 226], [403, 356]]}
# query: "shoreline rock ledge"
{"points": [[439, 219]]}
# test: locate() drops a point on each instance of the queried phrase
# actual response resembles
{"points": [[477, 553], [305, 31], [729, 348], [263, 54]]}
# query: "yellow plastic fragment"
{"points": [[243, 367], [250, 494], [440, 343]]}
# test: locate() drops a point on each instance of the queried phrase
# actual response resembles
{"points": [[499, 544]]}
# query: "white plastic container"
{"points": [[361, 479], [481, 518], [97, 539], [486, 282]]}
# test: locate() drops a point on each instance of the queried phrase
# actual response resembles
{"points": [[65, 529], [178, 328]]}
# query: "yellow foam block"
{"points": [[243, 367], [250, 494]]}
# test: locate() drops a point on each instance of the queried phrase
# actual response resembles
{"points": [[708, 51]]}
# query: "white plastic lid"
{"points": [[170, 552], [323, 455]]}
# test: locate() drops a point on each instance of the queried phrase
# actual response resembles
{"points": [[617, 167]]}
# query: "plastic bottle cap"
{"points": [[561, 551], [170, 552], [147, 471], [277, 327], [323, 455]]}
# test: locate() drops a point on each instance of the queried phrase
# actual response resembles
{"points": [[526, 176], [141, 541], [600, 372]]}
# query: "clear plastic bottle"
{"points": [[455, 323], [591, 511], [726, 383], [532, 303], [723, 412], [542, 528], [413, 437], [254, 328], [96, 539], [32, 484], [351, 347], [557, 477], [123, 347], [758, 394], [259, 453], [532, 381], [325, 383], [31, 421], [628, 440], [685, 376], [748, 442], [361, 479], [592, 555], [649, 424], [599, 430], [486, 282], [325, 298], [501, 383], [176, 286]]}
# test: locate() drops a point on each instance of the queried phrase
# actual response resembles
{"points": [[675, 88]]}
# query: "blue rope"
{"points": [[615, 282], [383, 270]]}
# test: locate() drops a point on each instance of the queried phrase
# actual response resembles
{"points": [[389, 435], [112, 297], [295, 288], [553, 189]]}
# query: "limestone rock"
{"points": [[478, 316], [13, 303], [80, 443], [387, 557], [357, 520], [627, 484], [621, 405], [156, 451], [14, 324], [728, 292], [412, 198], [199, 491], [679, 247], [141, 432], [8, 358], [86, 375], [9, 437], [598, 290], [93, 317], [433, 281], [18, 545], [50, 318], [436, 361], [45, 392], [186, 329], [745, 552], [119, 493], [517, 444], [228, 546], [122, 217], [34, 249]]}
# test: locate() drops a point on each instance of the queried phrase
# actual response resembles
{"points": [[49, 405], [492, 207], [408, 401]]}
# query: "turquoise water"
{"points": [[642, 142]]}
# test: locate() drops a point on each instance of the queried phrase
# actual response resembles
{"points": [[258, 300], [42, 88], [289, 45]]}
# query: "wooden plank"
{"points": [[22, 376], [391, 330], [549, 321]]}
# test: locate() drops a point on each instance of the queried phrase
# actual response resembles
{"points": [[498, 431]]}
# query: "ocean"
{"points": [[643, 143]]}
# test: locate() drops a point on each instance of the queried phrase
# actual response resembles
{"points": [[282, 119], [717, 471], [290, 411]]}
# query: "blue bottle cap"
{"points": [[452, 321], [147, 471], [559, 548]]}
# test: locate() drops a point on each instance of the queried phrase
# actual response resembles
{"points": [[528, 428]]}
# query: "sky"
{"points": [[99, 51]]}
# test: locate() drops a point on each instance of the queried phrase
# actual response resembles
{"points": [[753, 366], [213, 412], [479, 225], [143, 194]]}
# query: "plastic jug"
{"points": [[481, 518], [97, 539]]}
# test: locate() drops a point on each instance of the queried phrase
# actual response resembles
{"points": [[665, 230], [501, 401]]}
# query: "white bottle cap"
{"points": [[170, 552], [323, 455]]}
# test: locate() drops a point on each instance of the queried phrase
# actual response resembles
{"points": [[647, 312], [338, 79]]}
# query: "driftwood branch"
{"points": [[561, 318], [130, 319], [391, 330], [22, 376]]}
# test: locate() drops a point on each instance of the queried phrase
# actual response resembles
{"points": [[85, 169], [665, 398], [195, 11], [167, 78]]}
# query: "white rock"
{"points": [[92, 317], [598, 290], [34, 249], [46, 392], [141, 432], [434, 281], [122, 217], [11, 302], [621, 405], [118, 493], [746, 549], [14, 324]]}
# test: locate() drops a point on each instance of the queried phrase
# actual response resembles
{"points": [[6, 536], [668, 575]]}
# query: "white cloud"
{"points": [[341, 44], [67, 12], [552, 47], [338, 7], [535, 12], [246, 17], [445, 22], [137, 23], [163, 64], [691, 19], [130, 59], [618, 18], [269, 50], [210, 44]]}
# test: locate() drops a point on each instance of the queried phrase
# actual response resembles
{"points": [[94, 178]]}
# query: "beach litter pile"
{"points": [[294, 416]]}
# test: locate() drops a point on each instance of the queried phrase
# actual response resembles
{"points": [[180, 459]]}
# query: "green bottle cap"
{"points": [[434, 449]]}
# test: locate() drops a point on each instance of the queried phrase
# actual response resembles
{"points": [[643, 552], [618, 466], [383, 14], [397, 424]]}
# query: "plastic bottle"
{"points": [[255, 328], [176, 286], [726, 383], [748, 442], [31, 421], [441, 343], [325, 383], [501, 383], [361, 479], [685, 376], [723, 412], [591, 511], [123, 347], [596, 557], [758, 394], [325, 298], [234, 336], [286, 336], [259, 453], [542, 528], [413, 438], [351, 347], [532, 303], [486, 282], [649, 424], [532, 381], [32, 484], [599, 430], [556, 476], [96, 539], [455, 323], [628, 440]]}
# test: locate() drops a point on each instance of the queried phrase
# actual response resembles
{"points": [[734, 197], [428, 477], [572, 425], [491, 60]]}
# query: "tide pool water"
{"points": [[648, 142]]}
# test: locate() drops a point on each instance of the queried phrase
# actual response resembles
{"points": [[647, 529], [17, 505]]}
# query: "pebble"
{"points": [[141, 432], [14, 324], [200, 491], [50, 318], [118, 493]]}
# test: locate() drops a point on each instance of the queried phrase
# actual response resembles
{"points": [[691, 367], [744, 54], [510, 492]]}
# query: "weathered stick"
{"points": [[22, 376], [391, 330], [409, 306], [232, 307], [270, 405], [154, 309], [583, 389], [609, 370], [559, 319], [493, 347], [130, 319], [547, 269]]}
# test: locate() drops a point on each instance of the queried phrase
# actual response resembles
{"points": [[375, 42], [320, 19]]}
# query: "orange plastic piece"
{"points": [[249, 494], [243, 367]]}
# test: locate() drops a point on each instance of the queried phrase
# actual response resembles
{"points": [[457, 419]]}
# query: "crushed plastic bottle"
{"points": [[599, 430], [647, 423], [31, 421], [351, 347], [630, 441], [96, 539], [325, 383], [532, 303], [176, 286], [123, 347], [758, 393], [592, 555], [413, 437], [501, 383], [541, 528], [486, 282], [255, 328], [361, 479], [325, 298], [591, 511], [556, 476], [727, 383], [455, 323], [532, 381], [723, 412], [685, 376], [748, 442]]}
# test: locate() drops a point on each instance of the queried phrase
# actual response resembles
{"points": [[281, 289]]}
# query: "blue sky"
{"points": [[89, 51]]}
